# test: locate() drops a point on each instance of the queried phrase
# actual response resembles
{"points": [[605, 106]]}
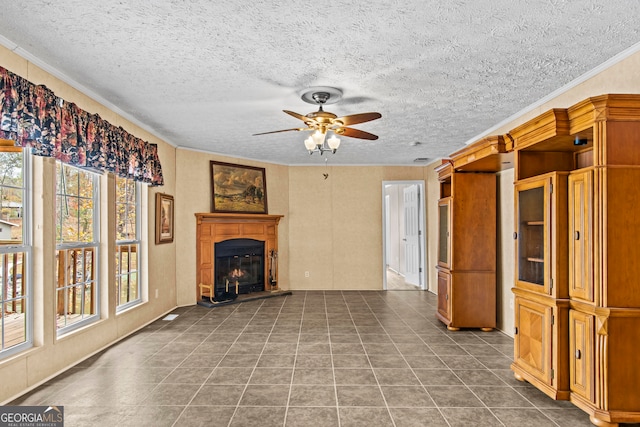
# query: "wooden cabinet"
{"points": [[541, 304], [466, 249], [591, 274]]}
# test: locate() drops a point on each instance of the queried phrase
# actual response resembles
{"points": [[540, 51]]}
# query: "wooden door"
{"points": [[580, 236], [533, 338], [581, 369], [444, 295]]}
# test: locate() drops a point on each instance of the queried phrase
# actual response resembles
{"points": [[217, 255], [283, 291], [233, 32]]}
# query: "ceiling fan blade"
{"points": [[354, 119], [283, 130], [297, 116], [355, 133]]}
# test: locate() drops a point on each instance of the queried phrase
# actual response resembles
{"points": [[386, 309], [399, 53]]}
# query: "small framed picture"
{"points": [[164, 218]]}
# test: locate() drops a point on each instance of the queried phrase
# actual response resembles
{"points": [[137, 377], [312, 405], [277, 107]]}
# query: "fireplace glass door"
{"points": [[239, 266]]}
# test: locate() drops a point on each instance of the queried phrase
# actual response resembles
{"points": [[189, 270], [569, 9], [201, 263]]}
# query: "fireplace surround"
{"points": [[242, 232]]}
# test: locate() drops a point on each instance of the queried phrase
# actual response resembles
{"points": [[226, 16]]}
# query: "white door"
{"points": [[412, 234], [387, 230]]}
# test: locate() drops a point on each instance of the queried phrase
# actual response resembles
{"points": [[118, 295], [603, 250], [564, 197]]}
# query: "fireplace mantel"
{"points": [[212, 228]]}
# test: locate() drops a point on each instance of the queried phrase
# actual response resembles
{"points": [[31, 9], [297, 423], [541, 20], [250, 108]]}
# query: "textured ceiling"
{"points": [[208, 74]]}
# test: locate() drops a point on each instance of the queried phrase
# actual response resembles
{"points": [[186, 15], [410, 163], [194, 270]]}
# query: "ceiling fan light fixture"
{"points": [[334, 143], [318, 142], [318, 137], [310, 144]]}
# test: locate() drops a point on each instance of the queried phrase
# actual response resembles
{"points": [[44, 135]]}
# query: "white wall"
{"points": [[431, 199]]}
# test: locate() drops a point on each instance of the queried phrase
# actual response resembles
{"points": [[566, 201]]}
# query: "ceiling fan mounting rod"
{"points": [[321, 97]]}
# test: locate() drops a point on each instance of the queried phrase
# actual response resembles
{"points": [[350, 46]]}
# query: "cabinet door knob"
{"points": [[446, 297], [515, 235], [515, 331], [578, 354], [577, 235]]}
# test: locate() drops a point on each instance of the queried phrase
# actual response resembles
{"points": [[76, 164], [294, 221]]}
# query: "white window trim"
{"points": [[126, 306], [27, 248], [76, 245]]}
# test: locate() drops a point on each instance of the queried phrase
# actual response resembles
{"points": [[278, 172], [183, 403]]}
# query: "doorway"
{"points": [[403, 235]]}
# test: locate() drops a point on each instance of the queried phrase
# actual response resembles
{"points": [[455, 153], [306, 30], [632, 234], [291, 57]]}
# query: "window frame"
{"points": [[129, 242], [26, 248], [68, 246]]}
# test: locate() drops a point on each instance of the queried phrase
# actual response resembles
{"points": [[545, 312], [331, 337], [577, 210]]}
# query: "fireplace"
{"points": [[239, 266], [255, 239]]}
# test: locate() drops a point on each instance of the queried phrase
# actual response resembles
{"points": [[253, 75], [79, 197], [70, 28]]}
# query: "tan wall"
{"points": [[335, 225], [331, 228], [506, 252], [433, 194], [194, 195], [51, 355]]}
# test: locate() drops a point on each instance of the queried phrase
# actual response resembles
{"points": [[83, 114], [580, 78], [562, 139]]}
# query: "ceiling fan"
{"points": [[323, 121]]}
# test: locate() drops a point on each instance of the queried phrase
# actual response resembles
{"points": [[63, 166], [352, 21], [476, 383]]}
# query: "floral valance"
{"points": [[33, 116]]}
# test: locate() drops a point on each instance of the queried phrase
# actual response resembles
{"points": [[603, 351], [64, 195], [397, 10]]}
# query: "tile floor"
{"points": [[395, 282], [309, 359]]}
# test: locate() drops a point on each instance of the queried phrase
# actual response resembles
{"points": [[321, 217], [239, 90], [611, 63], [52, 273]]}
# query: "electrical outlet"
{"points": [[306, 274], [156, 293], [511, 303]]}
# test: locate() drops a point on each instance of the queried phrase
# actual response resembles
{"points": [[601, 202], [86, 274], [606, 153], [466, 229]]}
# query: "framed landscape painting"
{"points": [[238, 189]]}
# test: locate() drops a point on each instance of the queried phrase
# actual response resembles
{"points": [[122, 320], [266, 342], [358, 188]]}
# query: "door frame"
{"points": [[422, 239]]}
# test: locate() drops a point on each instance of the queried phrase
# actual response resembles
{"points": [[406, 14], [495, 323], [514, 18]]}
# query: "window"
{"points": [[77, 234], [15, 251], [127, 243]]}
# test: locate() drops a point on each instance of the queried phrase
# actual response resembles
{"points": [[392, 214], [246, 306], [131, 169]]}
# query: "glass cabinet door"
{"points": [[444, 235], [533, 234], [541, 233]]}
